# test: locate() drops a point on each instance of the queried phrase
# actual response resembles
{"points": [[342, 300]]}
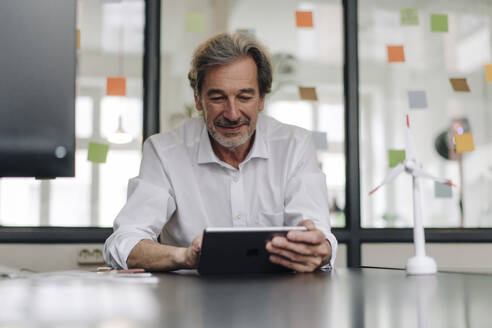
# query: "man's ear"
{"points": [[198, 103], [262, 103]]}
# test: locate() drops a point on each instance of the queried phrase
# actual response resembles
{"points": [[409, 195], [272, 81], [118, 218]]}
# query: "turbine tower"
{"points": [[420, 263]]}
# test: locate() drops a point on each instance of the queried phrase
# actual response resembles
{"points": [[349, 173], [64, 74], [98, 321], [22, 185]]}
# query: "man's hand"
{"points": [[192, 253], [301, 251]]}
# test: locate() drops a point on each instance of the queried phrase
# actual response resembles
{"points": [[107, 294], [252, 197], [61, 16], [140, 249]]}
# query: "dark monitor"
{"points": [[37, 88]]}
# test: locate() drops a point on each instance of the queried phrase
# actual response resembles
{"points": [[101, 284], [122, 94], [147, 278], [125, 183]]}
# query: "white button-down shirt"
{"points": [[183, 187]]}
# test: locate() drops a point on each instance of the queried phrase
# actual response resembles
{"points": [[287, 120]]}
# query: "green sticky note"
{"points": [[196, 23], [395, 157], [97, 152], [409, 16], [439, 23], [442, 190]]}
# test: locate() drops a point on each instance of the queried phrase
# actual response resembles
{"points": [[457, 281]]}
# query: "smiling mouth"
{"points": [[230, 127]]}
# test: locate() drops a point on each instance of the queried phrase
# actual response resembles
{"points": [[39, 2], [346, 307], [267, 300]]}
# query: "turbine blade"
{"points": [[422, 174], [410, 149], [390, 177]]}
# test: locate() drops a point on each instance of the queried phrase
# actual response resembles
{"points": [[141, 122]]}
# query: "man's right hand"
{"points": [[192, 253], [152, 256]]}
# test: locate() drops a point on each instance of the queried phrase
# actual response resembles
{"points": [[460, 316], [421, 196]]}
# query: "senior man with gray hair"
{"points": [[233, 167]]}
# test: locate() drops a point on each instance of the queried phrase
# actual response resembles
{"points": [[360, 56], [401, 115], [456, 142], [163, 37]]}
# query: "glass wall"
{"points": [[430, 60], [305, 39], [108, 118]]}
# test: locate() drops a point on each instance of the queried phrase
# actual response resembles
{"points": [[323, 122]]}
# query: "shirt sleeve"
{"points": [[149, 206], [306, 195]]}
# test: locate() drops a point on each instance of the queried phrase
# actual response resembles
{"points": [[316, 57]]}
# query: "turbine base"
{"points": [[419, 265]]}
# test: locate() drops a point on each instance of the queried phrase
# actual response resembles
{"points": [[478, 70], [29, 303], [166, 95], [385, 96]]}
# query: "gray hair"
{"points": [[225, 48]]}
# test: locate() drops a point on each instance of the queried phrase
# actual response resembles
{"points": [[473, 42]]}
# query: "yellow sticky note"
{"points": [[116, 86], [304, 19], [97, 152], [488, 73], [396, 54], [308, 93], [196, 23], [464, 142]]}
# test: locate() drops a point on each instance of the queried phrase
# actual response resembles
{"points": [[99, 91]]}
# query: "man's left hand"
{"points": [[301, 251]]}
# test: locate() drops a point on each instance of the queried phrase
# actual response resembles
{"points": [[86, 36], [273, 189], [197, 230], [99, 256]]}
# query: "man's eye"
{"points": [[245, 98], [217, 98]]}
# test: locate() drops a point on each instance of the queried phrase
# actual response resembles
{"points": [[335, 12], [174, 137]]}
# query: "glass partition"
{"points": [[429, 60], [110, 44], [305, 39]]}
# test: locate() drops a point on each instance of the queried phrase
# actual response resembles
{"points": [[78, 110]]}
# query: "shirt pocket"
{"points": [[267, 219]]}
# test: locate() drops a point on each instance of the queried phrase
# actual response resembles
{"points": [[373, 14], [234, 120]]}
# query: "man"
{"points": [[232, 167]]}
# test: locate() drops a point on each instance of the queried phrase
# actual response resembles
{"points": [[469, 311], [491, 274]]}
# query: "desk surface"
{"points": [[344, 298]]}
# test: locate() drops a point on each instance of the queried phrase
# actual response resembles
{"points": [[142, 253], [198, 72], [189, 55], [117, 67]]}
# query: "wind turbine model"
{"points": [[420, 263]]}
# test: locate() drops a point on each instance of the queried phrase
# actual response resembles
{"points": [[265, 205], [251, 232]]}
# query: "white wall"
{"points": [[473, 257], [45, 257]]}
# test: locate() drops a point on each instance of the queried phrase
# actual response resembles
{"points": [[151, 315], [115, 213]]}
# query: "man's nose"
{"points": [[231, 111]]}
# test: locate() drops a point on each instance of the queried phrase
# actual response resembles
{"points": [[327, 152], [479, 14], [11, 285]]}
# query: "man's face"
{"points": [[230, 100]]}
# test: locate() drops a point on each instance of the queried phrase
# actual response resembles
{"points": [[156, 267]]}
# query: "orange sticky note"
{"points": [[306, 93], [459, 84], [304, 18], [464, 142], [488, 73], [116, 86], [396, 54], [78, 39]]}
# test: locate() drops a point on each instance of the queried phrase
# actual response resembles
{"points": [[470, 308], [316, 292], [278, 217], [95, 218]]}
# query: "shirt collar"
{"points": [[259, 149]]}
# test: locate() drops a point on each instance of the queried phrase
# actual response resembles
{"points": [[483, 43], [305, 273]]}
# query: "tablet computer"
{"points": [[239, 250]]}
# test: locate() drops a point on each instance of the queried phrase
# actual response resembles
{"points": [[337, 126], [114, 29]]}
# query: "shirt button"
{"points": [[235, 179], [238, 217]]}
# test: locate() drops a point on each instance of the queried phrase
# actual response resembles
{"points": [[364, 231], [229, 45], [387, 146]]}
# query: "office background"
{"points": [[360, 108]]}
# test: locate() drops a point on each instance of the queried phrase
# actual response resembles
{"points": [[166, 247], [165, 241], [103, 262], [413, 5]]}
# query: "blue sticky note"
{"points": [[320, 140], [442, 190], [417, 99]]}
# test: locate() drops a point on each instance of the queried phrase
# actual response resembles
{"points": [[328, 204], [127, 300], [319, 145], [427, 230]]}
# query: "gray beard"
{"points": [[230, 144]]}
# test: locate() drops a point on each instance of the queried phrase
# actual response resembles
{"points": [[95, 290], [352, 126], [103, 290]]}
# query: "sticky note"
{"points": [[488, 73], [442, 190], [308, 93], [116, 86], [396, 54], [304, 19], [464, 142], [459, 84], [97, 152], [78, 39], [196, 23], [248, 31], [320, 140], [439, 23], [417, 99], [409, 16], [395, 157]]}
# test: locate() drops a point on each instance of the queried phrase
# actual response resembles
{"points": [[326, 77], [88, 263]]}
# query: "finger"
{"points": [[300, 248], [298, 267], [308, 224], [197, 243], [293, 256], [313, 237]]}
